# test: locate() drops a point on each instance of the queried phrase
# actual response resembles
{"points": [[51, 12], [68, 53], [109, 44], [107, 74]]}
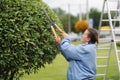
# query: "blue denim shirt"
{"points": [[81, 58]]}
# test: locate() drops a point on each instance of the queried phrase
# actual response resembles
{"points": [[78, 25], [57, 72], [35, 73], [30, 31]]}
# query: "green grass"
{"points": [[58, 69], [55, 71], [112, 73]]}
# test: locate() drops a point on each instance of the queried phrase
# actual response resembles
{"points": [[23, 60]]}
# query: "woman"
{"points": [[81, 58]]}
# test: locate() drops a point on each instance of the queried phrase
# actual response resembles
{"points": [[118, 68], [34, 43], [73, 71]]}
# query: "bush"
{"points": [[26, 43], [81, 25]]}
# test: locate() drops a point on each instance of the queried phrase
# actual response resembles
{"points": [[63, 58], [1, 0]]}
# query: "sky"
{"points": [[76, 6]]}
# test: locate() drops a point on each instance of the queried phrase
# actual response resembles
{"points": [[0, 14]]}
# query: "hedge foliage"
{"points": [[26, 41]]}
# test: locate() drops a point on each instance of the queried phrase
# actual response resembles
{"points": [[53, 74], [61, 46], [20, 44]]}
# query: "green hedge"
{"points": [[26, 41]]}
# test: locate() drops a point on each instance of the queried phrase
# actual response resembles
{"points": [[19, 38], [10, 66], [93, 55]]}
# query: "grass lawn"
{"points": [[112, 73], [55, 71], [58, 69]]}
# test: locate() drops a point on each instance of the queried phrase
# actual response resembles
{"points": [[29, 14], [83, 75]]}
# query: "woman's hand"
{"points": [[57, 39], [64, 34]]}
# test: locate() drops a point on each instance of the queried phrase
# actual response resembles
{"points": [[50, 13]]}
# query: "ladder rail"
{"points": [[101, 57], [107, 62], [117, 13], [113, 36], [100, 23]]}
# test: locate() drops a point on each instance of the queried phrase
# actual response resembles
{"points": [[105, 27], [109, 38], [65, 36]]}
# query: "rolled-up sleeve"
{"points": [[70, 51]]}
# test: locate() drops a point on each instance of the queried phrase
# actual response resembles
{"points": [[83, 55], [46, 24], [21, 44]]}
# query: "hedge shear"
{"points": [[52, 24]]}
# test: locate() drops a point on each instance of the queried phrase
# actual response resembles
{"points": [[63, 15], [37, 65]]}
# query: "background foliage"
{"points": [[26, 43], [64, 17], [81, 25]]}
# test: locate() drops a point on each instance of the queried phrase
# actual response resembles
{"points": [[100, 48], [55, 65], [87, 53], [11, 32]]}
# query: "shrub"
{"points": [[26, 43]]}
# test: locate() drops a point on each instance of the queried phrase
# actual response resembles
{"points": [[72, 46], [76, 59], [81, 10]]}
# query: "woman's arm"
{"points": [[68, 50]]}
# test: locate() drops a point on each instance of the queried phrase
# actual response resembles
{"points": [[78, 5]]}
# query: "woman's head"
{"points": [[90, 36]]}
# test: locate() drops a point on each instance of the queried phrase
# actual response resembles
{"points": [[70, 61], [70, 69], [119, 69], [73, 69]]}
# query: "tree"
{"points": [[26, 43], [59, 11], [81, 26], [63, 16], [95, 15]]}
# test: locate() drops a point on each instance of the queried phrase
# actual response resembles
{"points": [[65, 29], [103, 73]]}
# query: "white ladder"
{"points": [[103, 56], [112, 22]]}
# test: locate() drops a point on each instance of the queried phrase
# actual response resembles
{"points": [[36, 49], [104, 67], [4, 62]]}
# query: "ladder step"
{"points": [[105, 39], [105, 20], [117, 40], [111, 20], [115, 10], [103, 48], [119, 62], [101, 66], [116, 29], [112, 0], [115, 19], [102, 57], [118, 50], [100, 74], [103, 45]]}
